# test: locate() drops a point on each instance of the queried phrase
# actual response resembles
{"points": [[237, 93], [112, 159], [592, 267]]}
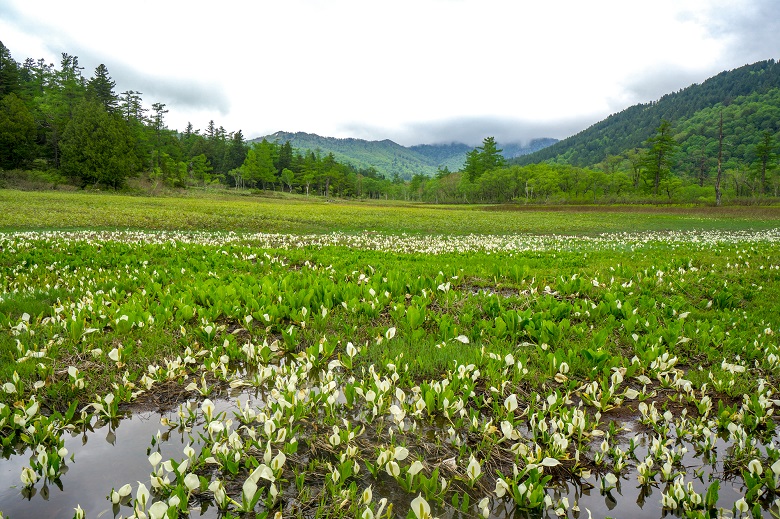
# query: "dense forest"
{"points": [[391, 159], [386, 157], [695, 145], [705, 143], [632, 127], [58, 126]]}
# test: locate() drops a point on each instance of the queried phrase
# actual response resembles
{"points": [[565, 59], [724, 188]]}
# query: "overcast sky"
{"points": [[413, 71]]}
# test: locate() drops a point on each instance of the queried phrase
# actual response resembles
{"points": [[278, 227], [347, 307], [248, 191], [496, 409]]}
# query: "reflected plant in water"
{"points": [[475, 364]]}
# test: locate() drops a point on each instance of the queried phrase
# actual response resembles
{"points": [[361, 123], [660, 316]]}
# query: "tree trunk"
{"points": [[763, 176], [718, 193]]}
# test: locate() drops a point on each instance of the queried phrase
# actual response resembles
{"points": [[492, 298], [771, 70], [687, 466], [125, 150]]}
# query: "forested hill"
{"points": [[390, 158], [631, 128], [386, 157]]}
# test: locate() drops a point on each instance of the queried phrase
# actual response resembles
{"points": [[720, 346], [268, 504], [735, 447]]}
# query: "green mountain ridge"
{"points": [[747, 96], [390, 158]]}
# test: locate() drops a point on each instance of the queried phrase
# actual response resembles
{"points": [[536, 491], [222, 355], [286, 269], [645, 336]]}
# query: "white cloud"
{"points": [[390, 69]]}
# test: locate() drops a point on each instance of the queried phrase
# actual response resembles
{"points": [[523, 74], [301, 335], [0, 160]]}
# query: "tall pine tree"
{"points": [[97, 147], [658, 161], [765, 151], [101, 89], [9, 72]]}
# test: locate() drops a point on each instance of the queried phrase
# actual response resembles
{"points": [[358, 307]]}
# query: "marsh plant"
{"points": [[330, 375]]}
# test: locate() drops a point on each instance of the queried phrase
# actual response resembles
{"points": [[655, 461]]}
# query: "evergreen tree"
{"points": [[70, 83], [442, 172], [765, 151], [131, 106], [158, 119], [97, 147], [285, 158], [472, 168], [63, 90], [258, 167], [17, 133], [658, 161], [101, 89], [199, 169], [158, 126], [490, 156], [35, 76], [483, 158], [266, 171], [9, 72], [236, 151], [191, 141], [218, 146]]}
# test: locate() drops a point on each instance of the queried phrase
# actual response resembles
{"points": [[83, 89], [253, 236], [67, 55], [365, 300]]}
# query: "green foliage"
{"points": [[679, 160], [199, 170], [765, 154], [630, 128], [375, 351], [17, 133], [682, 153], [386, 156], [389, 158], [44, 123], [171, 172], [96, 147], [9, 72], [101, 89], [288, 178], [658, 159]]}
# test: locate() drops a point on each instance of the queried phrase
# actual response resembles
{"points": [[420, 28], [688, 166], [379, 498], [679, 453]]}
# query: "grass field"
{"points": [[224, 212], [401, 360]]}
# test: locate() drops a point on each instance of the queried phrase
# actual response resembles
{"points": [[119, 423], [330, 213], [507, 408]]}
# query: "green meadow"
{"points": [[225, 211], [386, 359]]}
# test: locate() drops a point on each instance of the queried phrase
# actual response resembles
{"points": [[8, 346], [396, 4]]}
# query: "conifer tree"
{"points": [[97, 147], [17, 133], [490, 155], [101, 89], [483, 158], [9, 72], [765, 151], [131, 106], [658, 161]]}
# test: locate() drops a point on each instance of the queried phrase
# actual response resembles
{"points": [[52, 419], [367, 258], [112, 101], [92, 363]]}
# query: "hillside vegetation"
{"points": [[747, 96], [391, 159], [711, 143]]}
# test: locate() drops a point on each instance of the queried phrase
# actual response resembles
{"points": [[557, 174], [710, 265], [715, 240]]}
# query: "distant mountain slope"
{"points": [[452, 156], [385, 156], [747, 121], [513, 150], [390, 158], [630, 128]]}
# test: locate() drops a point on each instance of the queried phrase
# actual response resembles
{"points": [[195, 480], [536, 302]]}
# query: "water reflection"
{"points": [[102, 457], [107, 455]]}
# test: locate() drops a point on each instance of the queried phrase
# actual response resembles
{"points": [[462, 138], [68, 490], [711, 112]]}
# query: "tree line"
{"points": [[675, 164], [75, 129], [79, 130], [630, 128]]}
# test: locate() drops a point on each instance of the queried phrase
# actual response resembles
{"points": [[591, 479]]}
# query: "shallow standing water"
{"points": [[103, 459], [107, 457]]}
